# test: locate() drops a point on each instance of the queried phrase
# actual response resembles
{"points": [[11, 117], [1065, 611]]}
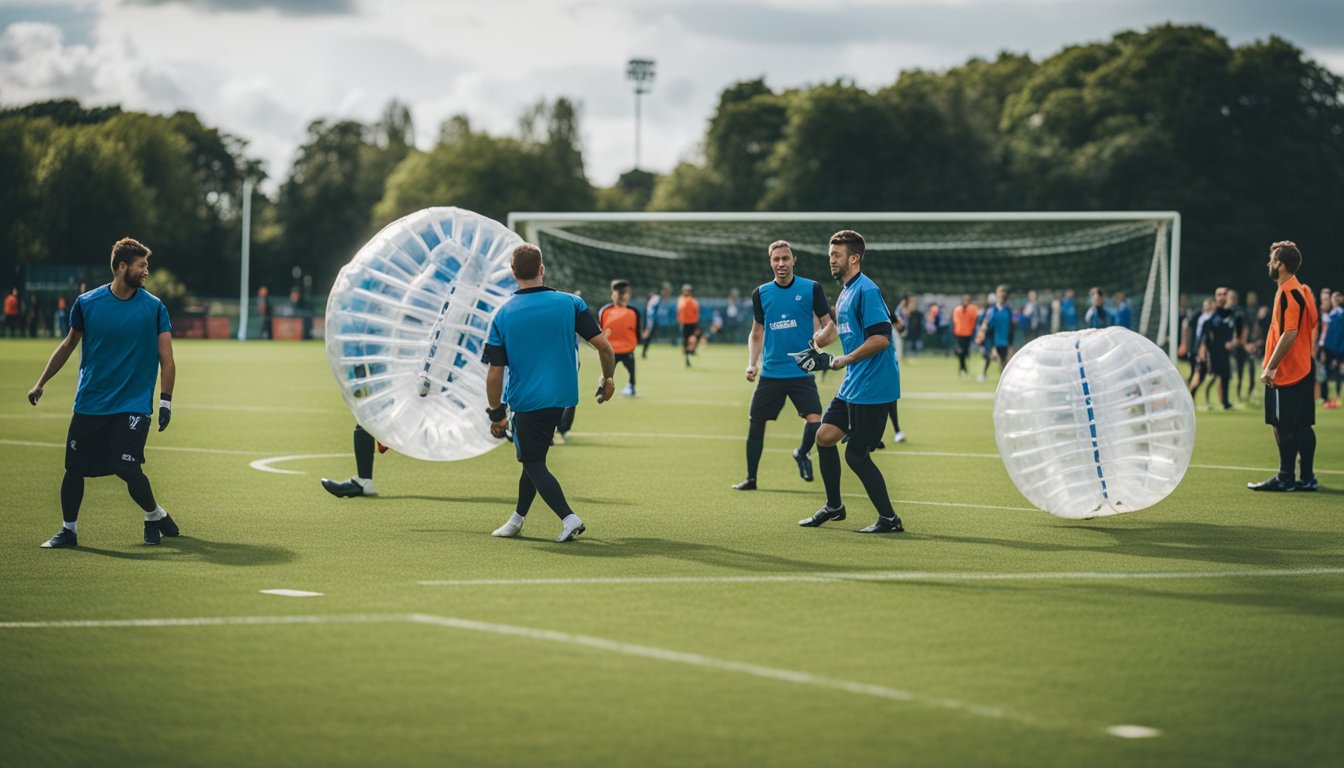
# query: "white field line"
{"points": [[887, 576], [264, 465], [553, 636]]}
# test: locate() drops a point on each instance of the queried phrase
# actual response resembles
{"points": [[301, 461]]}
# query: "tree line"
{"points": [[1247, 142]]}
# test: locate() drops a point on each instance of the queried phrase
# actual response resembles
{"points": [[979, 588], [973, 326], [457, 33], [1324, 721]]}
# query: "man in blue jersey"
{"points": [[790, 312], [532, 335], [996, 331], [872, 383], [127, 343]]}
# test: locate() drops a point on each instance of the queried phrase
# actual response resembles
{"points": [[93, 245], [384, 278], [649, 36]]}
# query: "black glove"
{"points": [[165, 410], [812, 359]]}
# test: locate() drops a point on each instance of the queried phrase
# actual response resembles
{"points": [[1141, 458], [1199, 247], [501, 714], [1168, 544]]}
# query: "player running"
{"points": [[789, 312], [621, 324]]}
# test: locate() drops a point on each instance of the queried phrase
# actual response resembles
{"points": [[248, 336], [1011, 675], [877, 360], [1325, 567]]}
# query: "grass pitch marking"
{"points": [[264, 465], [1133, 731], [290, 593], [890, 576]]}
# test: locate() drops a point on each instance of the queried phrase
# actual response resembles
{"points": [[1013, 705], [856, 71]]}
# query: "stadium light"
{"points": [[245, 257], [641, 73]]}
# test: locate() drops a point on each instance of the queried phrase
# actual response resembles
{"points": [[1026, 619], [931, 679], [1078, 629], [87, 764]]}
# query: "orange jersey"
{"points": [[621, 325], [963, 319], [1294, 309], [11, 306], [688, 310]]}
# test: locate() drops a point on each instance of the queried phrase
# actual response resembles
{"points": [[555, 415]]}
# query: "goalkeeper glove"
{"points": [[165, 410], [812, 359]]}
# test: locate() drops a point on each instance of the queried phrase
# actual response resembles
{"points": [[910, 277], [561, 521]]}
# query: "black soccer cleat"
{"points": [[343, 489], [804, 465], [823, 515], [63, 538], [746, 485], [884, 525], [1308, 485], [151, 531], [166, 525], [1276, 484]]}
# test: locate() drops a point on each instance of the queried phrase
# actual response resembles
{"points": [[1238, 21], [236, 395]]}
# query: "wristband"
{"points": [[166, 400], [498, 414]]}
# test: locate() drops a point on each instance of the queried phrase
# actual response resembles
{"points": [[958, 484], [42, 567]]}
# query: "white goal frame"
{"points": [[1163, 274]]}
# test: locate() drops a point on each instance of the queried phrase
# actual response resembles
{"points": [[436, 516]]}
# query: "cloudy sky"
{"points": [[263, 69]]}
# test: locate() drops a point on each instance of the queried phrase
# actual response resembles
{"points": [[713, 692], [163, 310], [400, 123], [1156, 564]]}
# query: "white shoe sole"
{"points": [[507, 531], [570, 535]]}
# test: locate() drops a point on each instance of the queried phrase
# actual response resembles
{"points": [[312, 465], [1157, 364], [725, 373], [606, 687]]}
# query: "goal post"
{"points": [[923, 254]]}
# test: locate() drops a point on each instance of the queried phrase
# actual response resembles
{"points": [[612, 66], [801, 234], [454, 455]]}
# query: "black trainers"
{"points": [[151, 531], [166, 525], [746, 485], [343, 489], [823, 515], [804, 465], [63, 538], [1308, 485], [1275, 483], [884, 525]]}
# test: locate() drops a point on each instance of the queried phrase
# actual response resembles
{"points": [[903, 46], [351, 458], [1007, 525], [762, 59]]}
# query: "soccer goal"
{"points": [[941, 254]]}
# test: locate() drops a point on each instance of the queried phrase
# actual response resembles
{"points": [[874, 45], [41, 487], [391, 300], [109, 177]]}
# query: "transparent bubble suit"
{"points": [[406, 324], [1093, 423]]}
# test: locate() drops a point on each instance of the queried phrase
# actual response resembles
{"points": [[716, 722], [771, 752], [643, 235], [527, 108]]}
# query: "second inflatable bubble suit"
{"points": [[406, 325], [1093, 423]]}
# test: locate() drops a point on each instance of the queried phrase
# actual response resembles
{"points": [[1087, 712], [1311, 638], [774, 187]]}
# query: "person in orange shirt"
{"points": [[1288, 375], [12, 316], [620, 322], [688, 314], [964, 316]]}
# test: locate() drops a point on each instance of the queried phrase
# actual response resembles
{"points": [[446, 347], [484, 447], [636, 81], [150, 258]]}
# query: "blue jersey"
{"points": [[999, 326], [1334, 332], [532, 334], [876, 379], [119, 353], [1124, 315], [786, 313]]}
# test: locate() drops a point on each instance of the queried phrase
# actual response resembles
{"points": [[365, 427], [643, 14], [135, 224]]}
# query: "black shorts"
{"points": [[1003, 354], [963, 344], [96, 445], [863, 423], [532, 433], [768, 399], [1221, 365], [1294, 406], [688, 330]]}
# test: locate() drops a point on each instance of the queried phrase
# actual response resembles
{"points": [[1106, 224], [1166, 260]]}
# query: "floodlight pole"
{"points": [[245, 257], [641, 73]]}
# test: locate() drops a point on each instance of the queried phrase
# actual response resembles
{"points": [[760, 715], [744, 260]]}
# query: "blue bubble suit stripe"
{"points": [[407, 320]]}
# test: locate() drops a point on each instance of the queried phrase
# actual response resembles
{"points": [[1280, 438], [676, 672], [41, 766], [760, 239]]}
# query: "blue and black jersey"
{"points": [[860, 312], [786, 312], [532, 335], [119, 358]]}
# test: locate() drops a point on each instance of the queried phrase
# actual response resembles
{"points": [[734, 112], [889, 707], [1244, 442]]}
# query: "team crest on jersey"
{"points": [[798, 297], [72, 445], [135, 421]]}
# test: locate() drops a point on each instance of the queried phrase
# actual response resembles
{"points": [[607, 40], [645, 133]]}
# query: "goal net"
{"points": [[932, 256]]}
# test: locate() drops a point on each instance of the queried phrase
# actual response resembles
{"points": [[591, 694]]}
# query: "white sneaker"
{"points": [[512, 527], [899, 437], [558, 439], [573, 527], [980, 378], [629, 390]]}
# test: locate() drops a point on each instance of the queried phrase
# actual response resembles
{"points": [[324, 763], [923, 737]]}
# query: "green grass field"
{"points": [[691, 625]]}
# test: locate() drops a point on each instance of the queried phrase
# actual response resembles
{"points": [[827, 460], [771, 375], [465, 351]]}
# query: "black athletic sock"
{"points": [[548, 487], [856, 456], [138, 484], [829, 459], [809, 437], [526, 493], [1306, 448], [1287, 439], [755, 446], [629, 361], [961, 363], [72, 495], [566, 422], [364, 446], [895, 419]]}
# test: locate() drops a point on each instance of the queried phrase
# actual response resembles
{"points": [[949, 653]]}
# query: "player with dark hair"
{"points": [[127, 342], [688, 316], [620, 323], [1219, 339], [1097, 316], [789, 312], [871, 384], [1288, 375], [963, 329], [532, 335], [996, 330]]}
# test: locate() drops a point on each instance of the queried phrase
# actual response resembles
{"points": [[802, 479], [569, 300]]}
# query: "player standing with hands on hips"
{"points": [[1288, 375], [127, 341], [872, 384], [532, 335]]}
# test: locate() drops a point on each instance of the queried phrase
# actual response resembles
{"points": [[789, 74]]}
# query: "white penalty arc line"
{"points": [[554, 636], [889, 576], [264, 465]]}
